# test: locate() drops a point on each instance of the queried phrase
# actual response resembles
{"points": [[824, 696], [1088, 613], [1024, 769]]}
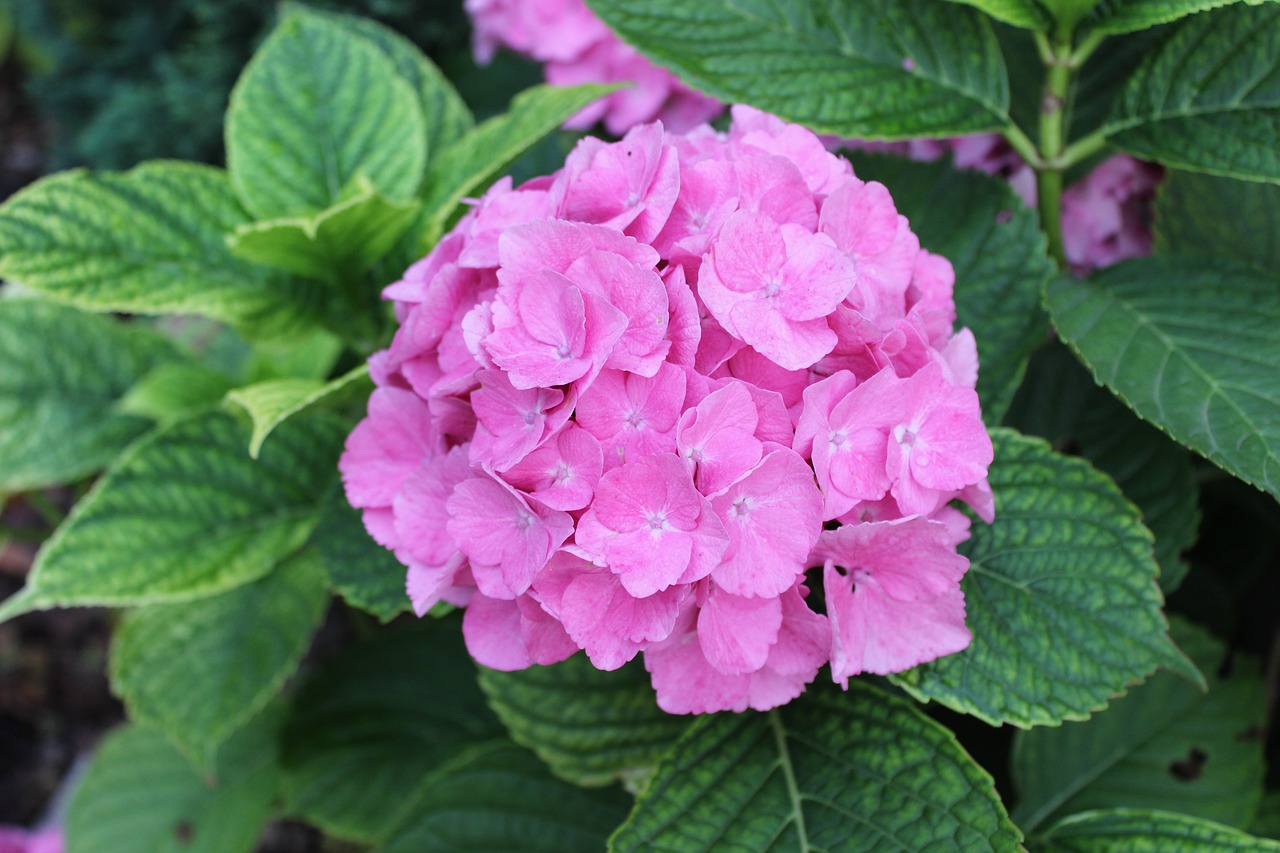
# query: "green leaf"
{"points": [[199, 670], [1212, 217], [1126, 16], [1166, 745], [140, 794], [316, 107], [63, 375], [591, 727], [1190, 345], [500, 797], [1140, 831], [175, 390], [1069, 12], [995, 244], [364, 573], [487, 151], [1267, 823], [1028, 14], [1208, 99], [882, 69], [335, 246], [147, 241], [1060, 593], [274, 401], [375, 722], [186, 513], [864, 771], [309, 356]]}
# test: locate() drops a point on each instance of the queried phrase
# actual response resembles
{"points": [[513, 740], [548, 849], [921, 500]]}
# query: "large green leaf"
{"points": [[364, 573], [176, 390], [1139, 831], [186, 513], [862, 772], [272, 402], [1028, 14], [1267, 822], [501, 797], [1126, 16], [375, 722], [141, 795], [591, 727], [1166, 745], [1208, 99], [1191, 346], [995, 244], [883, 69], [198, 670], [1214, 217], [317, 106], [62, 374], [1060, 593], [147, 241]]}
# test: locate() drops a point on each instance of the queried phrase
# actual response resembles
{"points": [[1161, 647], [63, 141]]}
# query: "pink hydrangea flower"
{"points": [[625, 401], [17, 840]]}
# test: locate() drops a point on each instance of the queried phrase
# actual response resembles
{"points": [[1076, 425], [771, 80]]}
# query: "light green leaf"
{"points": [[186, 513], [1191, 346], [199, 670], [309, 356], [858, 772], [147, 241], [317, 106], [175, 390], [375, 722], [487, 151], [1166, 745], [881, 69], [140, 794], [274, 401], [1060, 594], [591, 727], [1212, 217], [1028, 14], [62, 373], [501, 797], [1126, 16], [364, 573], [1208, 99], [335, 246], [1140, 831], [995, 244]]}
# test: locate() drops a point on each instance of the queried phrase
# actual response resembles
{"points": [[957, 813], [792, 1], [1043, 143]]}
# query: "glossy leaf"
{"points": [[1139, 831], [274, 401]]}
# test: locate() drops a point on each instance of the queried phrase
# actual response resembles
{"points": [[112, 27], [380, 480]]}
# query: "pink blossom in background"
{"points": [[17, 840], [625, 401]]}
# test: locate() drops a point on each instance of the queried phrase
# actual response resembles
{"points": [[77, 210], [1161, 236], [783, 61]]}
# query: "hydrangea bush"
{"points": [[714, 491]]}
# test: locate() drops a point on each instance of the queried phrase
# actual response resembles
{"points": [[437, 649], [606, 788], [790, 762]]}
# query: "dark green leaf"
{"points": [[1212, 217], [1138, 831], [1125, 16], [364, 573]]}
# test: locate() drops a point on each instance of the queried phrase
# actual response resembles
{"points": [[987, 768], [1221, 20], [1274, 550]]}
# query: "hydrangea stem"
{"points": [[1053, 105]]}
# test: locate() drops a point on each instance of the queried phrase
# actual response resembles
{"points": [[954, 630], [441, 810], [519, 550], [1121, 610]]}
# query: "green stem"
{"points": [[1086, 48], [22, 534], [1082, 148], [48, 512], [1023, 145], [1053, 105]]}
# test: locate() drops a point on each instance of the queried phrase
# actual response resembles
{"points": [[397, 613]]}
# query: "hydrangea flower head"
{"points": [[642, 406]]}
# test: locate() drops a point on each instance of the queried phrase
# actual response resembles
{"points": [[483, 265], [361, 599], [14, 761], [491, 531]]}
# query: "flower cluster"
{"points": [[576, 47], [631, 404]]}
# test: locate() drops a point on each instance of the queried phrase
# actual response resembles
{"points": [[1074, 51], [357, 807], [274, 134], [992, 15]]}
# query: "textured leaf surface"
{"points": [[995, 244], [485, 152], [1208, 99], [1166, 745], [1126, 16], [864, 771], [364, 573], [141, 795], [501, 797], [1138, 831], [591, 727], [175, 390], [198, 670], [371, 725], [317, 106], [148, 241], [1060, 596], [1213, 217], [864, 68], [187, 513], [1028, 14], [62, 373], [274, 401], [1191, 346]]}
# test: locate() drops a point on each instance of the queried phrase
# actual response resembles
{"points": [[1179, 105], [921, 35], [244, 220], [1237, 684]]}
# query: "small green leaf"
{"points": [[882, 69], [1060, 594], [1028, 14], [274, 401], [186, 513], [1212, 217], [147, 241], [62, 374], [489, 149], [175, 390], [1126, 16], [864, 771], [591, 727], [370, 726], [1166, 745], [199, 670], [1190, 345], [500, 797], [364, 573], [1140, 831], [317, 106], [1208, 99]]}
